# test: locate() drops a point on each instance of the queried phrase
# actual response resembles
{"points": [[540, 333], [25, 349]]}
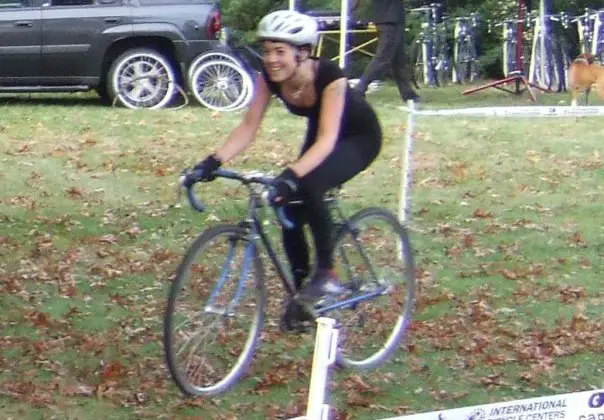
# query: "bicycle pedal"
{"points": [[295, 317]]}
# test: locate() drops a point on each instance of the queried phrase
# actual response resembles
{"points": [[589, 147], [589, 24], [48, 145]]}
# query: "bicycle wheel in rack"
{"points": [[562, 62], [215, 312], [509, 58], [546, 73], [372, 253], [443, 69], [218, 54], [421, 62], [465, 61], [222, 85]]}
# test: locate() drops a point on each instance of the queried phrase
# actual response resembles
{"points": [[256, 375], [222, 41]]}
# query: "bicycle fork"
{"points": [[229, 309]]}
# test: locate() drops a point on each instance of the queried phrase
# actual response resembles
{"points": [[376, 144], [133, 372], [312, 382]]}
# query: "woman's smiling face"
{"points": [[280, 60]]}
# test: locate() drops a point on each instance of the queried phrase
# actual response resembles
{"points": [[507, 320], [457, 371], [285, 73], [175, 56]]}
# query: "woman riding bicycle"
{"points": [[343, 137]]}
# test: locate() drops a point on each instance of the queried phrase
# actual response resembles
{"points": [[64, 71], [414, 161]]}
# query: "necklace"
{"points": [[296, 93]]}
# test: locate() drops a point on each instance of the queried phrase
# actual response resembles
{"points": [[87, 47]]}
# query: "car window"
{"points": [[71, 2], [13, 3]]}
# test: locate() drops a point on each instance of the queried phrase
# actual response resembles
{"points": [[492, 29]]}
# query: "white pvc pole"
{"points": [[403, 212], [343, 32], [292, 4], [542, 13], [596, 39], [326, 344]]}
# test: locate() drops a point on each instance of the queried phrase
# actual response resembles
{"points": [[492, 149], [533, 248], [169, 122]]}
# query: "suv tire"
{"points": [[141, 78]]}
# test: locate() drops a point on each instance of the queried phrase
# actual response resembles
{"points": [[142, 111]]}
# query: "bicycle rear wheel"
{"points": [[421, 59], [372, 255], [509, 58], [546, 74], [443, 70], [214, 312], [465, 61]]}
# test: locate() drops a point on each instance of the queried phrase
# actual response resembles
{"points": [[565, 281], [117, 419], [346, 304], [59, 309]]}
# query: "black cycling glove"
{"points": [[285, 187], [203, 171]]}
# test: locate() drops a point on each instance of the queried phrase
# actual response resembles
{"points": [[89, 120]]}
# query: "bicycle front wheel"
{"points": [[214, 312], [373, 256]]}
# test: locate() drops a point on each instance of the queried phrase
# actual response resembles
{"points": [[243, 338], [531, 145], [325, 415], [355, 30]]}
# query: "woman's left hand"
{"points": [[285, 187]]}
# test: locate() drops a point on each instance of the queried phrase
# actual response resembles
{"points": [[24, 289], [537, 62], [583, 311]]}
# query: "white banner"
{"points": [[515, 111], [585, 405]]}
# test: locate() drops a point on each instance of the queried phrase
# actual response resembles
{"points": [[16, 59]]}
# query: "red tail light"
{"points": [[214, 25]]}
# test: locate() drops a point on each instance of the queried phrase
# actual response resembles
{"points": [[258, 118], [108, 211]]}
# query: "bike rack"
{"points": [[340, 19], [517, 76]]}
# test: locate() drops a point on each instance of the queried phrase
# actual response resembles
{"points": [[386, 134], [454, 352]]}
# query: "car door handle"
{"points": [[24, 23], [112, 19]]}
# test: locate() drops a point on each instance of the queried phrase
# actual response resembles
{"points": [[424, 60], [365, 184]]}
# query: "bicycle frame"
{"points": [[253, 223]]}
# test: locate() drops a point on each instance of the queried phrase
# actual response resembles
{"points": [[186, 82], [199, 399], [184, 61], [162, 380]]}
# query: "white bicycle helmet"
{"points": [[288, 26]]}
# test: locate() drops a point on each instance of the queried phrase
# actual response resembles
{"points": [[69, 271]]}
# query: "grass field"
{"points": [[506, 225]]}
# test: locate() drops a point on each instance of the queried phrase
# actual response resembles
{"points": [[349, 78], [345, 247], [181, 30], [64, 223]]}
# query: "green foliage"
{"points": [[243, 16]]}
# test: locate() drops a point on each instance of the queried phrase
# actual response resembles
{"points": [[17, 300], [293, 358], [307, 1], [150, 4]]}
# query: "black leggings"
{"points": [[350, 156]]}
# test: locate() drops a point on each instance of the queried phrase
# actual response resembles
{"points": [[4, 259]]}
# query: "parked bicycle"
{"points": [[545, 66], [424, 45], [442, 57], [597, 46], [585, 29], [566, 54], [216, 303], [509, 28], [465, 54]]}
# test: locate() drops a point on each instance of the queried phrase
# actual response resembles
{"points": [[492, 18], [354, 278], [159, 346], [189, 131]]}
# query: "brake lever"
{"points": [[288, 224]]}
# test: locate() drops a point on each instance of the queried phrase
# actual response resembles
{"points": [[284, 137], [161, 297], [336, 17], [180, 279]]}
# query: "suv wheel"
{"points": [[141, 78]]}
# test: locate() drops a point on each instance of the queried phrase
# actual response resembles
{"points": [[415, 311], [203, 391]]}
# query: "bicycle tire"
{"points": [[419, 75], [443, 70], [564, 61], [544, 75], [373, 357], [212, 55], [526, 58], [206, 242], [465, 56], [509, 58], [230, 85]]}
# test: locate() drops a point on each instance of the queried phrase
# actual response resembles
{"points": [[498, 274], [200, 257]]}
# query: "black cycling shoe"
{"points": [[296, 317]]}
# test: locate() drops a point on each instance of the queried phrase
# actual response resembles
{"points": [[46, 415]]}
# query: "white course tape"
{"points": [[515, 111], [584, 405]]}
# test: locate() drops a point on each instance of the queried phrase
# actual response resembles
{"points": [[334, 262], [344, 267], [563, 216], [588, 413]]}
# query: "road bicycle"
{"points": [[597, 46], [565, 51], [465, 55], [585, 30], [424, 45], [545, 68], [510, 39], [442, 55], [216, 304]]}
